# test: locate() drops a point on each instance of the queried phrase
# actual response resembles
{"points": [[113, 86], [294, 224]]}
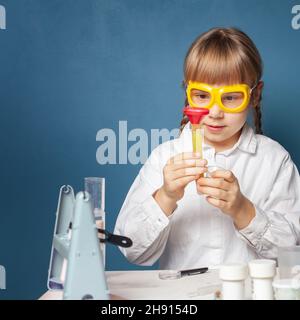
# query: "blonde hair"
{"points": [[224, 55]]}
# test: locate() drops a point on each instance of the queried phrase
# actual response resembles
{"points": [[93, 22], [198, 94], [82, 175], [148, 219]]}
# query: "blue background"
{"points": [[71, 67]]}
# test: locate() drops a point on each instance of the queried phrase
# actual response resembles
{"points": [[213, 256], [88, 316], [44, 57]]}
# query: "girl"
{"points": [[240, 213]]}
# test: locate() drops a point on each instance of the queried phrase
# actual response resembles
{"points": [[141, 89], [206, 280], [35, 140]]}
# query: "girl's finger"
{"points": [[182, 182], [194, 171], [214, 183], [214, 192], [227, 175], [184, 156], [188, 163], [216, 202]]}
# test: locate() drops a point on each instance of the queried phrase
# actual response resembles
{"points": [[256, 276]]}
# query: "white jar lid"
{"points": [[262, 268], [286, 284], [233, 272]]}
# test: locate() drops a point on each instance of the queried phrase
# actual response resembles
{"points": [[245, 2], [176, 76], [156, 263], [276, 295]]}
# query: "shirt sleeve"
{"points": [[276, 223], [141, 218]]}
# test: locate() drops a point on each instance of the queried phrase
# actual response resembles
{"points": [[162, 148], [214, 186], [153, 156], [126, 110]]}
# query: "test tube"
{"points": [[198, 137], [195, 116], [95, 186]]}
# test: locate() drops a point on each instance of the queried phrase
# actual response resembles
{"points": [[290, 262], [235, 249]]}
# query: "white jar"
{"points": [[233, 281], [262, 272]]}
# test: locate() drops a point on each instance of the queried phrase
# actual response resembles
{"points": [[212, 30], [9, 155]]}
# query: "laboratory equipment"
{"points": [[177, 274], [289, 262], [2, 278], [95, 186], [262, 272], [195, 116], [233, 278], [232, 99], [286, 289], [76, 247]]}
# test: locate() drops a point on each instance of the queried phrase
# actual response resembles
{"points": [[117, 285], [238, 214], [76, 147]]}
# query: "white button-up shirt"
{"points": [[199, 234]]}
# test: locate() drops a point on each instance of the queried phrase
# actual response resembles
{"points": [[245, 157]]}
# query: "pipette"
{"points": [[195, 116]]}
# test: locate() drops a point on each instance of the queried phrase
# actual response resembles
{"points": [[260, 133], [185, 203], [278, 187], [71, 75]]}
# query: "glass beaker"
{"points": [[95, 186], [289, 262]]}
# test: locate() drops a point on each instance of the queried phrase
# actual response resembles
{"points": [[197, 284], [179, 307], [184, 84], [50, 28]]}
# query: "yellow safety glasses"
{"points": [[234, 98]]}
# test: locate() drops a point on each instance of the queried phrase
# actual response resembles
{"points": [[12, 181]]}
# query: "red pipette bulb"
{"points": [[195, 115]]}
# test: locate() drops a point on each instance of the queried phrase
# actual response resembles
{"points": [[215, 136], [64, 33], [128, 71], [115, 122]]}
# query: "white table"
{"points": [[146, 285]]}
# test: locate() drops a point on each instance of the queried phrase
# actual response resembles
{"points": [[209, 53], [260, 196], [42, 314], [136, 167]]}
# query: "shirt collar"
{"points": [[247, 141]]}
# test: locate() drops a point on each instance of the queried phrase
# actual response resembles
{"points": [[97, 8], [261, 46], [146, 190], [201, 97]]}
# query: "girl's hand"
{"points": [[223, 191], [178, 172]]}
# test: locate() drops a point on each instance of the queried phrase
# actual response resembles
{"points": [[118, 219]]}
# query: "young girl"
{"points": [[186, 220]]}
